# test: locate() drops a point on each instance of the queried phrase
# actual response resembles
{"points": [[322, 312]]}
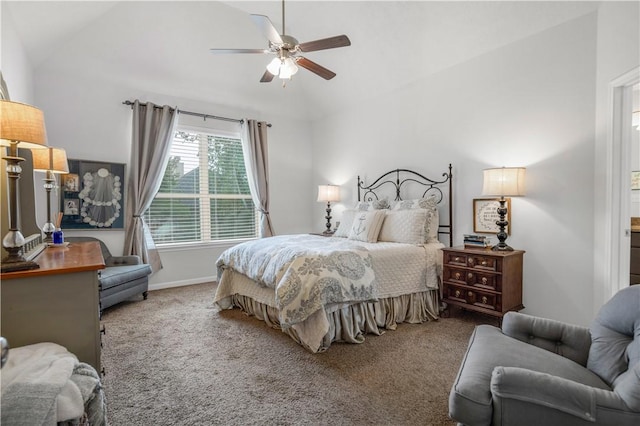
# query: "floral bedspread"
{"points": [[307, 272]]}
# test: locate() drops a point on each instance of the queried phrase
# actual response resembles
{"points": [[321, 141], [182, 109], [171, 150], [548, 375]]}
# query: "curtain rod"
{"points": [[197, 114]]}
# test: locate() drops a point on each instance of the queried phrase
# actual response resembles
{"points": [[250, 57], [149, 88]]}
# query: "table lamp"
{"points": [[52, 161], [23, 125], [503, 182], [328, 193]]}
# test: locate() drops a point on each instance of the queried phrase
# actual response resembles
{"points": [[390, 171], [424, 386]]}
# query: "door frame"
{"points": [[618, 182]]}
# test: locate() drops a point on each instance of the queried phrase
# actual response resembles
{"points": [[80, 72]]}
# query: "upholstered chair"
{"points": [[123, 277], [536, 371]]}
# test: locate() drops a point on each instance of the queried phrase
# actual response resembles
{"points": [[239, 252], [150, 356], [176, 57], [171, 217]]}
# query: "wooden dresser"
{"points": [[483, 280], [59, 302]]}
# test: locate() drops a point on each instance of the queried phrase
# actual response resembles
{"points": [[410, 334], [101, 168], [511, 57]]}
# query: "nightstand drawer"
{"points": [[455, 259], [473, 297], [483, 262], [485, 281], [458, 276]]}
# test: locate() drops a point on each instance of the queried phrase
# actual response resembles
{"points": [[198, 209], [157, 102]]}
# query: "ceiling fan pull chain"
{"points": [[283, 33]]}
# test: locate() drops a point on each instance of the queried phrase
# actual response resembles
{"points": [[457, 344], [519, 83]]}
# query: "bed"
{"points": [[380, 268]]}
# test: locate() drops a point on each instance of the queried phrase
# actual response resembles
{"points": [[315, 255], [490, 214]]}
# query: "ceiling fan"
{"points": [[287, 50]]}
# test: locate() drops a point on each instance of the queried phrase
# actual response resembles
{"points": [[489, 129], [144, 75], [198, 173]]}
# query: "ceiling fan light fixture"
{"points": [[288, 68], [274, 66]]}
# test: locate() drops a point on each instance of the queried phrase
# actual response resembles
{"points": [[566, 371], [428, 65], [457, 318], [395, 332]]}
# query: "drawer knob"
{"points": [[470, 294], [469, 275], [484, 263], [484, 299], [484, 280], [457, 293], [457, 275], [470, 261]]}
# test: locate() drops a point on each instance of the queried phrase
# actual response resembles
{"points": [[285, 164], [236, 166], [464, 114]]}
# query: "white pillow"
{"points": [[345, 224], [404, 226], [366, 225], [433, 219]]}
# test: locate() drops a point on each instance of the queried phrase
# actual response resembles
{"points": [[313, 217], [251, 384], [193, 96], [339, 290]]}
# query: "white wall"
{"points": [[86, 117], [16, 68], [531, 104]]}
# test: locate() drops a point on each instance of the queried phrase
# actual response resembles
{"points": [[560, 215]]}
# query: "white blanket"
{"points": [[36, 386], [306, 272]]}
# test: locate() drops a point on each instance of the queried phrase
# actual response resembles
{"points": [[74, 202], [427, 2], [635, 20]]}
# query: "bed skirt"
{"points": [[344, 323]]}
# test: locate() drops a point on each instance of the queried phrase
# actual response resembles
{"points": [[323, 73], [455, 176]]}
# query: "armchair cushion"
{"points": [[123, 260], [570, 341], [114, 276]]}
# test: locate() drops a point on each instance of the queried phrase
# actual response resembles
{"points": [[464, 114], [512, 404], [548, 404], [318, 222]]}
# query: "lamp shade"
{"points": [[50, 159], [504, 182], [328, 193], [22, 123]]}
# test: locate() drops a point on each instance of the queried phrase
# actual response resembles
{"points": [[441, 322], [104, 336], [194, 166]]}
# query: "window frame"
{"points": [[204, 197]]}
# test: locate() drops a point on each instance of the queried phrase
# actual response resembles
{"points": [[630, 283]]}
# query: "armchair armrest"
{"points": [[123, 260], [545, 392], [570, 341]]}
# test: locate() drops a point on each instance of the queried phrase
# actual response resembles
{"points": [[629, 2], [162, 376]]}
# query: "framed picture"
{"points": [[635, 180], [71, 182], [485, 215], [71, 206], [92, 195]]}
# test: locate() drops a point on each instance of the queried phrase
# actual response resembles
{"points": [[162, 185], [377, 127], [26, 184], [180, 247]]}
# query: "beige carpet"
{"points": [[175, 360]]}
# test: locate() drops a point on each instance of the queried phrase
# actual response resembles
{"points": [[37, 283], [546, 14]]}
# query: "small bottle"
{"points": [[58, 236]]}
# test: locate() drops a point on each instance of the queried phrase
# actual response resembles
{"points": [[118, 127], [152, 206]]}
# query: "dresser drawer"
{"points": [[482, 262], [472, 296], [484, 281], [455, 259], [455, 275]]}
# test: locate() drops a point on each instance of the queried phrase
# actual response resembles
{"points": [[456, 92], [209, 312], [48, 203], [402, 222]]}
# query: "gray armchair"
{"points": [[123, 277], [538, 371]]}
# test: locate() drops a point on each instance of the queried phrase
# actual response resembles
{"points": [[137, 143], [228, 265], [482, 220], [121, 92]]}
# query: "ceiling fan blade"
{"points": [[225, 51], [315, 68], [267, 28], [266, 77], [325, 43]]}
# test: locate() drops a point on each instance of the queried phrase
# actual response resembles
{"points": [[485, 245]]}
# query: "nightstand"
{"points": [[483, 280]]}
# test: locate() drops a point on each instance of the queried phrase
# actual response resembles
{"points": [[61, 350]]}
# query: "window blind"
{"points": [[204, 195]]}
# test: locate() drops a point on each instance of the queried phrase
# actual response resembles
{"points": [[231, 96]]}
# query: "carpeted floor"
{"points": [[175, 360]]}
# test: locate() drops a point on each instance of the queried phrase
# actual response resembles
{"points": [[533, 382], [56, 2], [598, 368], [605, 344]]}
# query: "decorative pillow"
{"points": [[373, 205], [345, 224], [431, 225], [420, 203], [433, 219], [366, 225], [405, 226]]}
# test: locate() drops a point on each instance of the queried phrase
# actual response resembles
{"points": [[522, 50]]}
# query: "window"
{"points": [[204, 195]]}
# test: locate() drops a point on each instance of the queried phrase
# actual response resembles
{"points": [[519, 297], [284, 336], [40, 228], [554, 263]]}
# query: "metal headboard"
{"points": [[398, 178]]}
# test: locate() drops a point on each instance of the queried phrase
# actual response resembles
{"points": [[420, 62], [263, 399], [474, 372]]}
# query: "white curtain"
{"points": [[254, 148], [153, 129]]}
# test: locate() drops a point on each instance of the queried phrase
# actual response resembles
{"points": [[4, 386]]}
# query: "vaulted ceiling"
{"points": [[163, 47]]}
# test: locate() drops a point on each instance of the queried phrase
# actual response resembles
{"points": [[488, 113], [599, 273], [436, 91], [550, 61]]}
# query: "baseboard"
{"points": [[160, 286]]}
